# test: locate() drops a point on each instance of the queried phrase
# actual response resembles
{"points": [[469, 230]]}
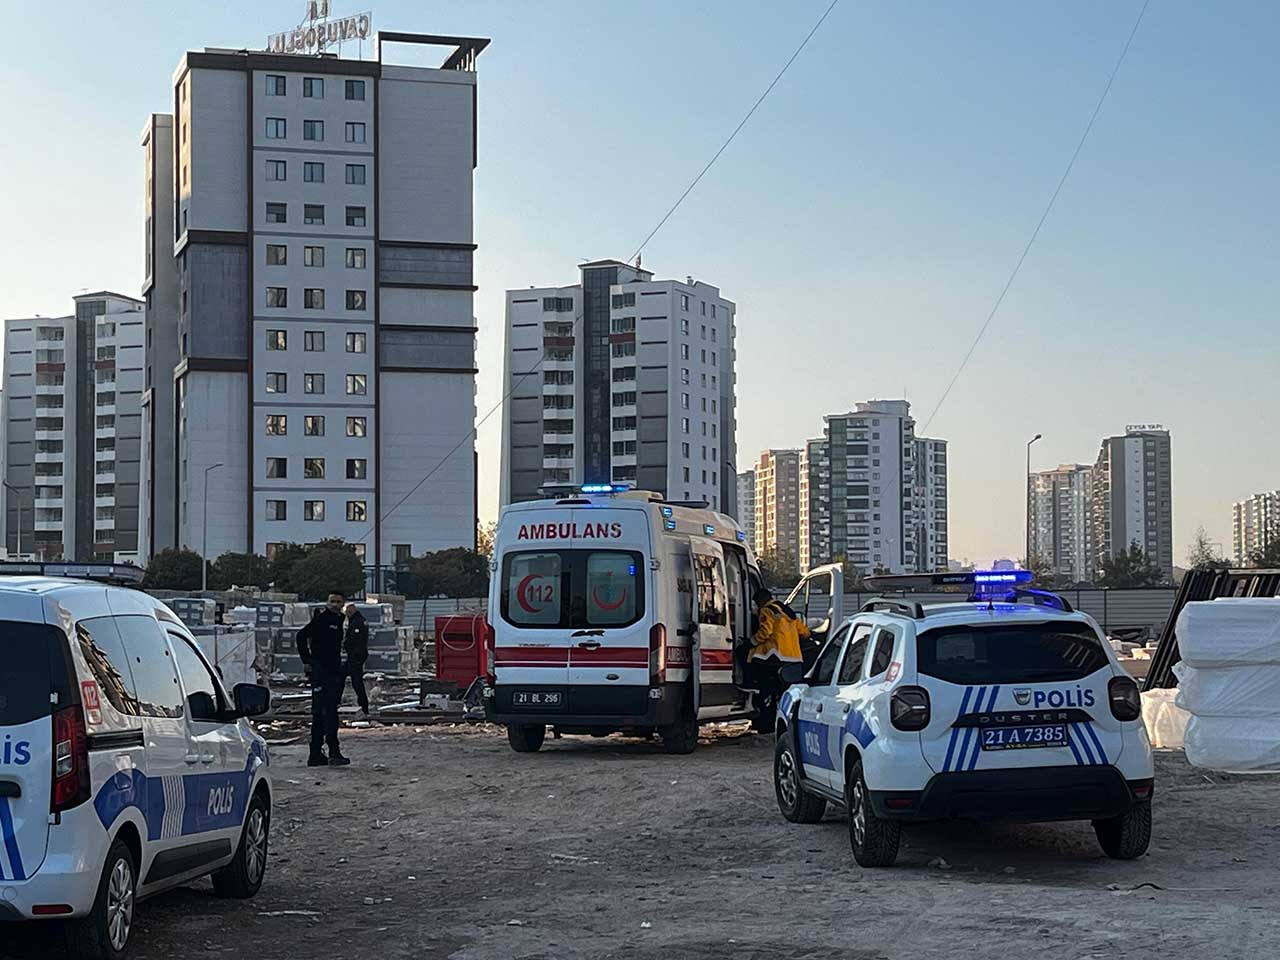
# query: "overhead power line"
{"points": [[470, 435], [1043, 217]]}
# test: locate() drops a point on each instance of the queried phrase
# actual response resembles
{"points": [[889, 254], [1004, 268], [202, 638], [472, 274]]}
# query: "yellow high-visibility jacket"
{"points": [[779, 635]]}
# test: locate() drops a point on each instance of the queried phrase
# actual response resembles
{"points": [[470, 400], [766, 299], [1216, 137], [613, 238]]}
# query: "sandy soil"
{"points": [[441, 842]]}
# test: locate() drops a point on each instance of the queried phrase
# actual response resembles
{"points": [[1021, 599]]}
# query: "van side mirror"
{"points": [[251, 700]]}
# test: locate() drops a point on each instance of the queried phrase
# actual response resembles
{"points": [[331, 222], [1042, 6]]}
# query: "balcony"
{"points": [[50, 503], [557, 389], [557, 463], [48, 526], [43, 456]]}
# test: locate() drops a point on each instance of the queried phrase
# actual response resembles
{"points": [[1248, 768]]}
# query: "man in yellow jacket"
{"points": [[777, 641]]}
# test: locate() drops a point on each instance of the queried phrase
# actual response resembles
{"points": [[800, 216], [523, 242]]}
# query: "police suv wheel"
{"points": [[1127, 836], [873, 839], [242, 877], [104, 933], [796, 804], [526, 738]]}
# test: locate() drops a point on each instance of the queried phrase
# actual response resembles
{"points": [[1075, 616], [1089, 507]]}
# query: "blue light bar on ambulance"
{"points": [[604, 488], [669, 524], [742, 537], [667, 511]]}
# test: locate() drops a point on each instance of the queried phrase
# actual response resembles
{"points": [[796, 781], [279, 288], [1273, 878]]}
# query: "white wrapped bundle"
{"points": [[1230, 631], [1166, 722], [1233, 745], [1243, 692]]}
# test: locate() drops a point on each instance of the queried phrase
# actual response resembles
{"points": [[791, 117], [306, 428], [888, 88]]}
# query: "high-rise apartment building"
{"points": [[880, 491], [814, 524], [778, 507], [620, 378], [310, 325], [1133, 496], [1061, 505], [71, 412], [746, 505], [1255, 525]]}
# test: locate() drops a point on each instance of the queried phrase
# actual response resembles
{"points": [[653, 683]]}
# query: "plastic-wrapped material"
{"points": [[1233, 745], [1230, 631], [1243, 692], [1166, 722]]}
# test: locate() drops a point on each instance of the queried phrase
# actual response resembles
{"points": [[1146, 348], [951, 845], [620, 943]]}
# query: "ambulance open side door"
{"points": [[712, 654]]}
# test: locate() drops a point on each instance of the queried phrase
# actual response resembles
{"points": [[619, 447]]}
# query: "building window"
{"points": [[704, 404], [713, 311], [184, 302], [355, 258], [313, 468], [684, 305], [355, 217], [313, 426], [313, 213], [313, 510], [686, 474], [277, 255], [313, 298], [273, 549], [355, 343], [355, 299], [357, 469], [313, 172], [276, 510], [356, 426], [704, 331], [619, 300], [684, 424], [277, 425], [704, 308], [313, 341], [277, 339], [276, 86], [357, 384], [357, 511], [313, 256], [277, 383], [704, 356], [356, 174], [684, 351], [277, 213], [277, 296], [684, 401], [312, 129], [355, 133], [313, 87], [277, 128], [313, 383], [355, 89], [277, 170], [684, 450]]}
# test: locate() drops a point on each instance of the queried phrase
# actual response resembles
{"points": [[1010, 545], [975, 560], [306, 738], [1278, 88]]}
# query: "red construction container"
{"points": [[460, 653]]}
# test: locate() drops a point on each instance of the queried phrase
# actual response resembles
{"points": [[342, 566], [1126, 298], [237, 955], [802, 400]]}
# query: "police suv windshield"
{"points": [[1010, 653], [572, 589]]}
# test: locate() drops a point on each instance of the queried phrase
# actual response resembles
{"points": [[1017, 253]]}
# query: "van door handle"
{"points": [[589, 644], [819, 710], [206, 758], [192, 758]]}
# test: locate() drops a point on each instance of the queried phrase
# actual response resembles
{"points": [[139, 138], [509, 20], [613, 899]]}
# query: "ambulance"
{"points": [[613, 610]]}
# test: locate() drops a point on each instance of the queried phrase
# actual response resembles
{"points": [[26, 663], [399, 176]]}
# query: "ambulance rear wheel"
{"points": [[526, 738], [681, 736]]}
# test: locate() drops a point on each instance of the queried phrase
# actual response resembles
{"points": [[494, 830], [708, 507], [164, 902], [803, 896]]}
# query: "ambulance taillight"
{"points": [[490, 642], [657, 653]]}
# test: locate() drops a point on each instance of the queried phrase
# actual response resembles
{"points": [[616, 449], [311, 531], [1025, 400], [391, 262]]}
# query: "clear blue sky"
{"points": [[864, 221]]}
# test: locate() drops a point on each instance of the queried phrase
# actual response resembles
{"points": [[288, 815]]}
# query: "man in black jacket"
{"points": [[320, 647], [357, 650]]}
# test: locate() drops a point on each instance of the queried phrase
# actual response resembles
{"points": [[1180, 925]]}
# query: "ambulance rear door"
{"points": [[714, 651]]}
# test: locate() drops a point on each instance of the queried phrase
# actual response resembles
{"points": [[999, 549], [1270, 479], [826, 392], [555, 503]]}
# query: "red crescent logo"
{"points": [[595, 596], [520, 593]]}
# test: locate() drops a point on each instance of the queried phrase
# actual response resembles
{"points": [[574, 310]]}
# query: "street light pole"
{"points": [[1027, 555], [204, 529], [18, 494]]}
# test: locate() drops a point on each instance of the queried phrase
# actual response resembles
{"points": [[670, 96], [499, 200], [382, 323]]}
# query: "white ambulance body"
{"points": [[617, 612]]}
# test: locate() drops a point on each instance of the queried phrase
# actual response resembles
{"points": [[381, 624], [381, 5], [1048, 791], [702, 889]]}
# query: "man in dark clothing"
{"points": [[356, 646], [320, 647]]}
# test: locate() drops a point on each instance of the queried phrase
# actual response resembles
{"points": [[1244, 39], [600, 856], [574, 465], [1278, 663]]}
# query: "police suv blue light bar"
{"points": [[604, 488], [968, 578]]}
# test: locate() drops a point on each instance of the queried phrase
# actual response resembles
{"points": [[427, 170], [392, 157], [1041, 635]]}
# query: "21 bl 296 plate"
{"points": [[536, 698], [1022, 738]]}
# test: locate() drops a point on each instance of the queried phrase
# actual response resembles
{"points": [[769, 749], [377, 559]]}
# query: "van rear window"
{"points": [[33, 666], [572, 589], [1012, 653]]}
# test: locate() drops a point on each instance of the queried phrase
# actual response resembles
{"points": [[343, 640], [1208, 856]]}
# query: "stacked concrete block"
{"points": [[194, 611]]}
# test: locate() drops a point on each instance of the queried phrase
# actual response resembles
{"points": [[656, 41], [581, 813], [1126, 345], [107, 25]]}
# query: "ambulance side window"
{"points": [[733, 567], [104, 652]]}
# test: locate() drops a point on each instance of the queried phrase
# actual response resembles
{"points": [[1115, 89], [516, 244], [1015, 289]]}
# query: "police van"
{"points": [[125, 766], [1006, 705], [613, 610]]}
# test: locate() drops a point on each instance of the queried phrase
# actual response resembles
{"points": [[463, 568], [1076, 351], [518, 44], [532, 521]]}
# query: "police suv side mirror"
{"points": [[251, 700]]}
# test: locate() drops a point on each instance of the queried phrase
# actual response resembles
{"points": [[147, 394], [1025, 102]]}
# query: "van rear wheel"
{"points": [[681, 736], [526, 738], [104, 933], [242, 877]]}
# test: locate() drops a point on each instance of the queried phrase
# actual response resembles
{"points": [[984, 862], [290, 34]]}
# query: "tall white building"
{"points": [[815, 506], [1255, 525], [1061, 505], [1133, 496], [311, 332], [71, 413], [746, 504], [778, 507], [879, 490], [620, 378]]}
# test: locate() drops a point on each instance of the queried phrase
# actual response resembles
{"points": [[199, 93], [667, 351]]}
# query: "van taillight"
{"points": [[70, 759], [490, 641], [658, 653], [1126, 701]]}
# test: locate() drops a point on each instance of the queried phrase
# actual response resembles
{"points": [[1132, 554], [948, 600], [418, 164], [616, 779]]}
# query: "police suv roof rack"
{"points": [[116, 574], [908, 608]]}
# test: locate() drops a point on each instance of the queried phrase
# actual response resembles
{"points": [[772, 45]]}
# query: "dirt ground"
{"points": [[440, 842]]}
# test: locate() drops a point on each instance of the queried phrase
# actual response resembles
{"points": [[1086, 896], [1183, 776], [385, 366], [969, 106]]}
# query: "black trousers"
{"points": [[356, 672], [326, 692]]}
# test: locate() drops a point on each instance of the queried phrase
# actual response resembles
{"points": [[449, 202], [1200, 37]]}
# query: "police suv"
{"points": [[1009, 705], [125, 767]]}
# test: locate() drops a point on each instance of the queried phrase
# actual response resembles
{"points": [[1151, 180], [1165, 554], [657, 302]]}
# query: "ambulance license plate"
{"points": [[536, 698], [1022, 738]]}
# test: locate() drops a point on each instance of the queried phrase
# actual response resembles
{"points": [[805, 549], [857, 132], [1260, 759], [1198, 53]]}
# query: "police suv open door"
{"points": [[818, 600]]}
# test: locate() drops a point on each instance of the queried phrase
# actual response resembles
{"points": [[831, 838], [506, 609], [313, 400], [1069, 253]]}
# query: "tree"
{"points": [[1268, 557], [456, 572], [1130, 568], [326, 567], [239, 570], [486, 534], [280, 566], [778, 570], [1202, 556], [1042, 572], [173, 569]]}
